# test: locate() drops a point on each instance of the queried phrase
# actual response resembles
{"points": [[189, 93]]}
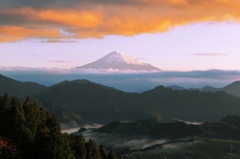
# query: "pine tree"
{"points": [[32, 115], [78, 146], [103, 152], [17, 120], [5, 106], [92, 150], [112, 155], [140, 157], [53, 125], [55, 145]]}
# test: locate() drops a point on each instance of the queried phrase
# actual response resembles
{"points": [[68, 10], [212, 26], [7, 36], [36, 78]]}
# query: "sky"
{"points": [[173, 35]]}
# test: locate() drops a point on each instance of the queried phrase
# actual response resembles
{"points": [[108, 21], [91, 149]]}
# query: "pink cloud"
{"points": [[54, 70], [210, 54], [59, 61]]}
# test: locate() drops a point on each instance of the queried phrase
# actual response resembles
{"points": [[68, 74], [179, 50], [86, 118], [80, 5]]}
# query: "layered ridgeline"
{"points": [[226, 128], [118, 61], [93, 99], [19, 89], [22, 89], [29, 131], [180, 104], [233, 88], [98, 103]]}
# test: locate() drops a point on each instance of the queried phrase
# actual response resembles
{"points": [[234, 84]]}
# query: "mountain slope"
{"points": [[107, 115], [185, 105], [120, 61], [17, 88], [152, 129], [63, 115], [233, 88], [176, 87], [209, 89]]}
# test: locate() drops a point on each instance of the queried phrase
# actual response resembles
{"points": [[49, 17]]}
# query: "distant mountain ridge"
{"points": [[233, 88], [204, 89], [181, 104], [17, 88], [118, 61], [83, 96]]}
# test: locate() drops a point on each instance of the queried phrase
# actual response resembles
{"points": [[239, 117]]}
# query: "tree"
{"points": [[77, 143], [121, 157], [51, 143], [103, 152], [92, 150], [140, 157], [112, 155], [5, 106], [32, 122], [17, 121]]}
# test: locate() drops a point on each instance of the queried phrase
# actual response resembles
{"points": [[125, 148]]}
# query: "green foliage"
{"points": [[38, 134], [32, 116], [140, 157], [17, 88], [5, 115], [233, 120], [111, 155], [92, 150], [103, 152], [78, 146], [185, 105], [152, 128], [121, 157]]}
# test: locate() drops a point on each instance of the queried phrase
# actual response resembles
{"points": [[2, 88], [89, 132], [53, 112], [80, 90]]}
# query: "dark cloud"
{"points": [[58, 4]]}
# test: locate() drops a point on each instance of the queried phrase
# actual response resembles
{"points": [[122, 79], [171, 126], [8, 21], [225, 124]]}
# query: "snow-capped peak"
{"points": [[119, 57], [117, 60]]}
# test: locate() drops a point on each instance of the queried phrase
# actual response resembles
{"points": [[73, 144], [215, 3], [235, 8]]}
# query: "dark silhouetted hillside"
{"points": [[19, 89], [233, 88], [106, 115], [152, 129], [185, 105]]}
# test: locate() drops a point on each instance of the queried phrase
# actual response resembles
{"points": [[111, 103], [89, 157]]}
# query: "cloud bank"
{"points": [[124, 80], [59, 19]]}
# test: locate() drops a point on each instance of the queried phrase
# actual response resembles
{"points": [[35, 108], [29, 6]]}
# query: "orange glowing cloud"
{"points": [[97, 19], [9, 34], [78, 19]]}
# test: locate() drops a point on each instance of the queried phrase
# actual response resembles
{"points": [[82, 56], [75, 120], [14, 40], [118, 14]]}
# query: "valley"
{"points": [[150, 124]]}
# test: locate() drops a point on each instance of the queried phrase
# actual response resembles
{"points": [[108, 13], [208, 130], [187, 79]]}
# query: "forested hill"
{"points": [[180, 104], [30, 132], [86, 98], [19, 89]]}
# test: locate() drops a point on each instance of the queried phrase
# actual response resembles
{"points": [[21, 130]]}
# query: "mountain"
{"points": [[176, 87], [107, 115], [194, 106], [152, 129], [78, 97], [232, 119], [209, 89], [63, 115], [233, 88], [17, 88], [120, 61], [204, 89], [79, 81]]}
